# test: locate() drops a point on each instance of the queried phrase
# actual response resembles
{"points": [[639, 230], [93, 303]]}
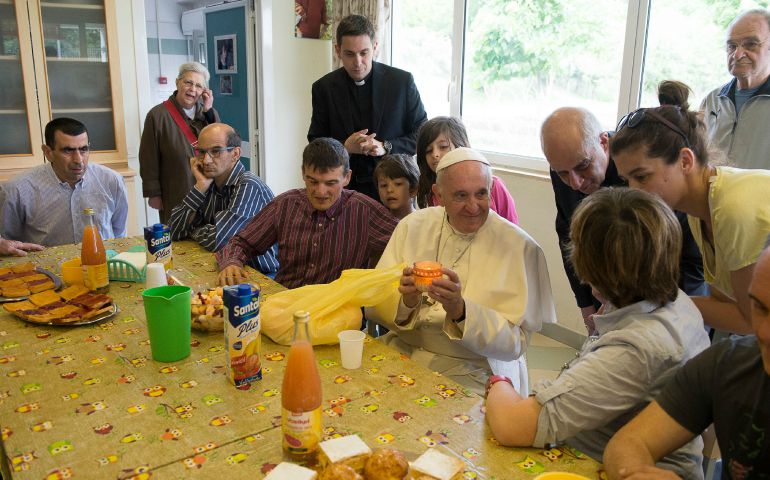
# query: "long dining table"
{"points": [[89, 402]]}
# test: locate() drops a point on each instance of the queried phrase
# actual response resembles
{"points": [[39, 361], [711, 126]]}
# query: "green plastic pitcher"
{"points": [[167, 310]]}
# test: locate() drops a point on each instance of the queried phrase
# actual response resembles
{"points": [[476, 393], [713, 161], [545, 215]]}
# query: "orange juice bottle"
{"points": [[301, 397], [93, 256]]}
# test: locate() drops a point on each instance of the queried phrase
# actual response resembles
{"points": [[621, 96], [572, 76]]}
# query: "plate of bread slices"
{"points": [[20, 281], [75, 305], [349, 458]]}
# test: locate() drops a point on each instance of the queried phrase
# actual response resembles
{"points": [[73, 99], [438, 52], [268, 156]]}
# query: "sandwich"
{"points": [[290, 471], [433, 465], [349, 450]]}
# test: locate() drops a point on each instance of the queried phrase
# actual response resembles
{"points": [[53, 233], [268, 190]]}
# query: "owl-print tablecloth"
{"points": [[89, 401]]}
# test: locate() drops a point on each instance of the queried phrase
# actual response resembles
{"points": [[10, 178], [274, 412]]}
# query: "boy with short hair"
{"points": [[396, 177]]}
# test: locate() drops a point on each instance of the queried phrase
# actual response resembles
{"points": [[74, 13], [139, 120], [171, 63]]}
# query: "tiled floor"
{"points": [[545, 358]]}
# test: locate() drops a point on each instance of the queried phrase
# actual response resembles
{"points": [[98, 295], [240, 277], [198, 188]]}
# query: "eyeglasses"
{"points": [[69, 151], [191, 84], [216, 152], [635, 118], [749, 45]]}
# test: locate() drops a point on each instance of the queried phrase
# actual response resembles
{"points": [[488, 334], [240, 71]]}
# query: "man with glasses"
{"points": [[170, 133], [577, 150], [44, 205], [736, 114], [224, 198]]}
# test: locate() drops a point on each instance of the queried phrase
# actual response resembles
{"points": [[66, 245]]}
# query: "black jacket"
{"points": [[397, 112]]}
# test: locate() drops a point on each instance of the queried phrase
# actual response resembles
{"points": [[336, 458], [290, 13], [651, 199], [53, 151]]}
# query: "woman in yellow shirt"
{"points": [[663, 151]]}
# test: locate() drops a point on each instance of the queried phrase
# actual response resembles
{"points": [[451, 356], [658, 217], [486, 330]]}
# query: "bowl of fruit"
{"points": [[207, 310]]}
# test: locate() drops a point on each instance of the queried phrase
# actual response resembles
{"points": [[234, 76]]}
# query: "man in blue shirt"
{"points": [[45, 204]]}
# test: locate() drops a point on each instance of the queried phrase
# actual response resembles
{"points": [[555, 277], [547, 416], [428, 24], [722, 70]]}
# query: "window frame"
{"points": [[634, 49]]}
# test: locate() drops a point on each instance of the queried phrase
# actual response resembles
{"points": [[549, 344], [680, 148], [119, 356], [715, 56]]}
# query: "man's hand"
{"points": [[233, 275], [354, 141], [155, 202], [208, 99], [408, 289], [448, 292], [647, 472], [372, 147], [20, 249], [202, 182]]}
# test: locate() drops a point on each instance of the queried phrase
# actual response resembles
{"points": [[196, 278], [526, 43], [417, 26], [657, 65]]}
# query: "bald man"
{"points": [[578, 152], [224, 198]]}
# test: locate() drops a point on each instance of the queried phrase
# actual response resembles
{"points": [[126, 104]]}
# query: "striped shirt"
{"points": [[213, 217], [314, 246], [37, 207]]}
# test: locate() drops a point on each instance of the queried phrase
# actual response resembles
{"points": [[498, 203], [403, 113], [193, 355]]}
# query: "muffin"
{"points": [[386, 464]]}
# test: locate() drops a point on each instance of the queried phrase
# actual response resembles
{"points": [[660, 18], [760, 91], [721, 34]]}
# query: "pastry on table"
{"points": [[386, 464], [339, 471], [433, 465], [44, 298], [349, 450], [51, 308], [72, 292]]}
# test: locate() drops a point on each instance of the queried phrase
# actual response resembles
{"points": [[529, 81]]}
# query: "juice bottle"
{"points": [[93, 256], [301, 397]]}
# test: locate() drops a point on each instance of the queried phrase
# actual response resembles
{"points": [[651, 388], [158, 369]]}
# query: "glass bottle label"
{"points": [[95, 276], [301, 431]]}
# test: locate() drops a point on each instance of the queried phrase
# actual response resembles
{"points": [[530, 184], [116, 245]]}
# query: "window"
{"points": [[504, 65], [422, 44]]}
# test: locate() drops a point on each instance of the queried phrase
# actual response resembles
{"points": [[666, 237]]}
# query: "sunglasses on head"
{"points": [[635, 118]]}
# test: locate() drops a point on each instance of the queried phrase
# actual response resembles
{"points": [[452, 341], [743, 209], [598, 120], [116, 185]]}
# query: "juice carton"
{"points": [[242, 340], [158, 239]]}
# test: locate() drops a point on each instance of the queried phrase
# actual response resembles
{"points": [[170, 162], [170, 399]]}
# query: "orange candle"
{"points": [[424, 273]]}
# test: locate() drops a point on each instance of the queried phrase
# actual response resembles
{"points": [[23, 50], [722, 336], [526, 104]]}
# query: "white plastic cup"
{"points": [[155, 276], [351, 348]]}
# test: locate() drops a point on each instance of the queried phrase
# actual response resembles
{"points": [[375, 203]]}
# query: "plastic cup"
{"points": [[351, 348], [167, 310], [155, 276]]}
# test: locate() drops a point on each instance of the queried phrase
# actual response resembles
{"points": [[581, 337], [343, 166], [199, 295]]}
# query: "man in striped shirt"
{"points": [[225, 196], [321, 229]]}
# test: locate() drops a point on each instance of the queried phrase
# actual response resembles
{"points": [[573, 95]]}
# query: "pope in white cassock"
{"points": [[495, 293]]}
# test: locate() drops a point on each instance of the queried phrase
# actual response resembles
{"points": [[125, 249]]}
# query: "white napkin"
{"points": [[137, 259]]}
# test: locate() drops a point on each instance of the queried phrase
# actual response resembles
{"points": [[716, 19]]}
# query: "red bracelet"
{"points": [[493, 379]]}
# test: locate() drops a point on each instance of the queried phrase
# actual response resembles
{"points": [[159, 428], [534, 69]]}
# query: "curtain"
{"points": [[378, 12]]}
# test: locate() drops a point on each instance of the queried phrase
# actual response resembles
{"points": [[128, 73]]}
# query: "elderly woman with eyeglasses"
{"points": [[169, 137], [663, 151]]}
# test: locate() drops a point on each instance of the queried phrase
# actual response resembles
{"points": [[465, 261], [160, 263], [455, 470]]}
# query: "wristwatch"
{"points": [[387, 146], [493, 379]]}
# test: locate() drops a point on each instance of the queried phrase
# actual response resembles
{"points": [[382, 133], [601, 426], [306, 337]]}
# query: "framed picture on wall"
{"points": [[226, 85], [225, 54]]}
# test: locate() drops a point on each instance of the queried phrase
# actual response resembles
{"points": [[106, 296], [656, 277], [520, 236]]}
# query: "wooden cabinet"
{"points": [[59, 58]]}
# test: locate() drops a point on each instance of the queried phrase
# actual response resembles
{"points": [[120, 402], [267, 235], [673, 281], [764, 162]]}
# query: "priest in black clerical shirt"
{"points": [[370, 107]]}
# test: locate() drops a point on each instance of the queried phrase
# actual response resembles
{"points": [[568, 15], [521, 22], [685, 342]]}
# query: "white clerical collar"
{"points": [[361, 83]]}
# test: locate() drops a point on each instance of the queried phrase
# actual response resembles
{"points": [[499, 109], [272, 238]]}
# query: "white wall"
{"points": [[535, 205], [163, 21], [290, 66]]}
